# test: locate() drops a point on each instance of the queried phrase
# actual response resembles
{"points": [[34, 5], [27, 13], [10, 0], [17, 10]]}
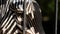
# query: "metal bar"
{"points": [[24, 27], [56, 16], [1, 7]]}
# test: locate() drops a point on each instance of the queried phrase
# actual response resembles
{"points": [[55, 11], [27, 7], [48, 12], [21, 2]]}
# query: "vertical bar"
{"points": [[24, 17], [56, 16], [1, 7]]}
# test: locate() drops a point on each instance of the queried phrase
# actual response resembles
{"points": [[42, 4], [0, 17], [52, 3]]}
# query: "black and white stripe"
{"points": [[9, 23]]}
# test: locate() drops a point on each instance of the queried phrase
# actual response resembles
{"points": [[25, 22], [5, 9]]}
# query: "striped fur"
{"points": [[12, 22], [9, 25]]}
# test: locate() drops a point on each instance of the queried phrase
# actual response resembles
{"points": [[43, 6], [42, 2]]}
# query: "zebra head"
{"points": [[18, 7]]}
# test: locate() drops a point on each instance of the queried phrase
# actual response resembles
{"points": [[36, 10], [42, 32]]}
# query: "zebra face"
{"points": [[19, 8]]}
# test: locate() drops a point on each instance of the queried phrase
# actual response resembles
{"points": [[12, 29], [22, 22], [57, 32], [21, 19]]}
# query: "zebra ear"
{"points": [[36, 6]]}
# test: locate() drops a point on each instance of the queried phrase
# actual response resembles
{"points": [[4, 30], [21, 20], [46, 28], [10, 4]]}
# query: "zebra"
{"points": [[12, 21]]}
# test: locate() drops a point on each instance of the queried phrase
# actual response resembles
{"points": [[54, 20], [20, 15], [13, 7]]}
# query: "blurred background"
{"points": [[48, 15], [58, 16]]}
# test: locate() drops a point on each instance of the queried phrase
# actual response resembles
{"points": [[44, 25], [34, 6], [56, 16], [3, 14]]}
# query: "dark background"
{"points": [[58, 16], [48, 15]]}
